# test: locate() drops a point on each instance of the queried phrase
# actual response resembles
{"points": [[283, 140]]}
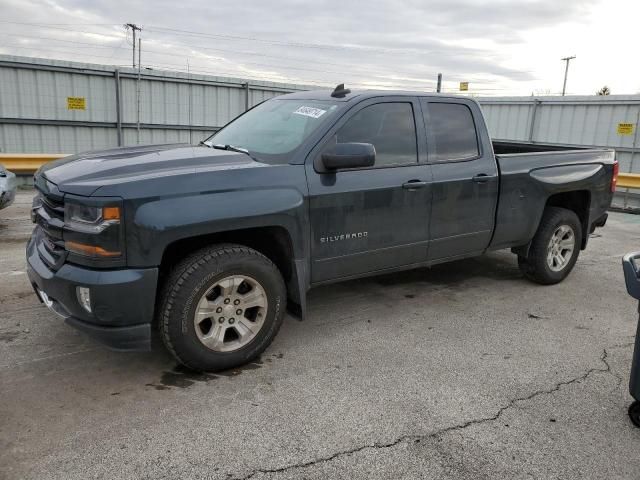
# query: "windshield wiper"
{"points": [[233, 148], [202, 142]]}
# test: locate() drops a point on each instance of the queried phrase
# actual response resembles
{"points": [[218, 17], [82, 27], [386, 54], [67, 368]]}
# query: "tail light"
{"points": [[614, 179]]}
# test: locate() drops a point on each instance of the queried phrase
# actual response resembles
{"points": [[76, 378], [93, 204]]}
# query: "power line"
{"points": [[217, 36], [281, 77], [74, 42], [52, 27], [21, 47], [160, 29], [210, 72], [395, 51], [61, 24], [191, 33], [379, 74], [284, 79]]}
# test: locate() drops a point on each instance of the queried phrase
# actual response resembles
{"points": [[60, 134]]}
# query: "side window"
{"points": [[389, 127], [453, 132]]}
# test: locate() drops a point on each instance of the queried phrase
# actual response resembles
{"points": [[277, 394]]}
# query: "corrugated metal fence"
{"points": [[599, 121], [52, 106]]}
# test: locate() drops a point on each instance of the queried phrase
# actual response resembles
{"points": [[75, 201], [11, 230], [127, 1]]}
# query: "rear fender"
{"points": [[525, 195]]}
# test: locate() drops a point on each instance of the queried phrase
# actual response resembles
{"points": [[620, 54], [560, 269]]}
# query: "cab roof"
{"points": [[364, 94]]}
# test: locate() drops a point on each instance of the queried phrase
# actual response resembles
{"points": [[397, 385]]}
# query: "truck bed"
{"points": [[531, 175], [508, 147]]}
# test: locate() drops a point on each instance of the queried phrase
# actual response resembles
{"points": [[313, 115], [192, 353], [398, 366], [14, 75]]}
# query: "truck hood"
{"points": [[84, 173]]}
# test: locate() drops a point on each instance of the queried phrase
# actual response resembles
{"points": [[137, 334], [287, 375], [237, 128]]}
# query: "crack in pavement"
{"points": [[417, 438]]}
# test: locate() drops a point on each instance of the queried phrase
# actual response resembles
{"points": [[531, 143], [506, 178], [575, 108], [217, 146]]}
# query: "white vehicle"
{"points": [[8, 184]]}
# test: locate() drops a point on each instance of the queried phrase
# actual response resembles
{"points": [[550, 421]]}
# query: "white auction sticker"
{"points": [[310, 112]]}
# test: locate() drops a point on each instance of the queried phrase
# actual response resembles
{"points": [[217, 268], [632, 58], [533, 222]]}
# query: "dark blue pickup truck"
{"points": [[210, 244]]}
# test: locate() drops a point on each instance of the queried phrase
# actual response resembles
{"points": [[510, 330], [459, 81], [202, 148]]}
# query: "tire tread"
{"points": [[182, 271], [534, 265]]}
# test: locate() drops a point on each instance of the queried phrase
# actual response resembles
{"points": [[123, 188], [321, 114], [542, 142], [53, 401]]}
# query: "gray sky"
{"points": [[500, 47]]}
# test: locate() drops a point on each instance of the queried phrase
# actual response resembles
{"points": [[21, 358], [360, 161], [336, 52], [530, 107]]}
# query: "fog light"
{"points": [[84, 297]]}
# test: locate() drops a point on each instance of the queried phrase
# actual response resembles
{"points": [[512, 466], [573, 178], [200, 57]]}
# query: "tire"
{"points": [[634, 413], [200, 285], [543, 264]]}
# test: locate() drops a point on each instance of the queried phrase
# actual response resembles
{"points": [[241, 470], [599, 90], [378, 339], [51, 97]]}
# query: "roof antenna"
{"points": [[340, 91]]}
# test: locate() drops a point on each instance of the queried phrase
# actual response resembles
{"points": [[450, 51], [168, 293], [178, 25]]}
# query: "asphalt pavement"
{"points": [[464, 370]]}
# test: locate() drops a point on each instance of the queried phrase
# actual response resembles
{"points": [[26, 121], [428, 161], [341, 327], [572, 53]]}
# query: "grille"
{"points": [[49, 216]]}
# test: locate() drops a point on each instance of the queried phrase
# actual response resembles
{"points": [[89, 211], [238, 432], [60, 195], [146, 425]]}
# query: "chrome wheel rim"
{"points": [[560, 248], [230, 313]]}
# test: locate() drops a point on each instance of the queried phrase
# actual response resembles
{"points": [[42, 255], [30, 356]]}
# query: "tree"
{"points": [[604, 91]]}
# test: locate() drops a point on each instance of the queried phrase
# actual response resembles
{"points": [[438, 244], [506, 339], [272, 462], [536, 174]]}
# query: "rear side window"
{"points": [[389, 127], [453, 132]]}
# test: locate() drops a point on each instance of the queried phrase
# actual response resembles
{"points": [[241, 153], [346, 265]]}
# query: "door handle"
{"points": [[482, 178], [414, 184]]}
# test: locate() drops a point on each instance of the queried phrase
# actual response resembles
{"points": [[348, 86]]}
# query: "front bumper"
{"points": [[122, 301]]}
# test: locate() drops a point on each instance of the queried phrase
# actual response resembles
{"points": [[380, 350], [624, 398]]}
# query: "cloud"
{"points": [[378, 42]]}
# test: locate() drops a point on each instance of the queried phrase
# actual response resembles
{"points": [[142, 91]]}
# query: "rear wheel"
{"points": [[222, 307], [555, 247]]}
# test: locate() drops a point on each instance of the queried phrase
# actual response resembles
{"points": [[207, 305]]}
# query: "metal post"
{"points": [[116, 77], [190, 87], [247, 99], [566, 73], [439, 87], [532, 125], [633, 153], [138, 89], [133, 62]]}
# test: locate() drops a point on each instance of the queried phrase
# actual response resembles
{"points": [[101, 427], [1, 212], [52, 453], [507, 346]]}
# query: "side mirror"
{"points": [[350, 155]]}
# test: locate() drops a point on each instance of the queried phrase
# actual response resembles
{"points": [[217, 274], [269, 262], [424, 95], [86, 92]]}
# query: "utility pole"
{"points": [[439, 87], [566, 72], [133, 28], [138, 88]]}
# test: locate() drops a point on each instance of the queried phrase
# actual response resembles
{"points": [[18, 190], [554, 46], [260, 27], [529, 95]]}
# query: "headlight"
{"points": [[85, 218], [93, 231]]}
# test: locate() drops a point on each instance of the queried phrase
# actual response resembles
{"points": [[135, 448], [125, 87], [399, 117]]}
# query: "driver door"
{"points": [[371, 219]]}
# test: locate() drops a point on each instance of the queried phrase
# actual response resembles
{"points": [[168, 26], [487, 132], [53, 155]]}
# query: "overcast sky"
{"points": [[500, 47]]}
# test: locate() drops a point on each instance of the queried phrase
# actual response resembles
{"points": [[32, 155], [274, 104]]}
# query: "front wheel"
{"points": [[555, 247], [221, 307]]}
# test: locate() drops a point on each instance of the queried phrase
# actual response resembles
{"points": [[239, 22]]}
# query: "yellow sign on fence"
{"points": [[76, 103], [625, 129], [464, 86]]}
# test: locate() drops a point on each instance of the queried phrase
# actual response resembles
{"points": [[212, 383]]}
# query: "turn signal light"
{"points": [[111, 213], [89, 250]]}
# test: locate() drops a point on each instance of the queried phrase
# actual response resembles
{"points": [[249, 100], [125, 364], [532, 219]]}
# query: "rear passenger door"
{"points": [[465, 178], [369, 219]]}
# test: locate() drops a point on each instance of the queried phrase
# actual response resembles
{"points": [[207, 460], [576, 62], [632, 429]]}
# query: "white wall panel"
{"points": [[583, 121], [33, 105]]}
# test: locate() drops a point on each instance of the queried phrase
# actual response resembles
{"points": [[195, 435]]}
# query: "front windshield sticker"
{"points": [[310, 112]]}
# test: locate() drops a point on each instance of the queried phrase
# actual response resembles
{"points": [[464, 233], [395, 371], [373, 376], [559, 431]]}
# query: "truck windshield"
{"points": [[273, 130]]}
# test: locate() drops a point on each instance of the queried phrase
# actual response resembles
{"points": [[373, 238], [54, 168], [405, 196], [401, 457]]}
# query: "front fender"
{"points": [[159, 222]]}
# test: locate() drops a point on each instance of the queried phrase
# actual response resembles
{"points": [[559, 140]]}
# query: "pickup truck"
{"points": [[209, 244]]}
